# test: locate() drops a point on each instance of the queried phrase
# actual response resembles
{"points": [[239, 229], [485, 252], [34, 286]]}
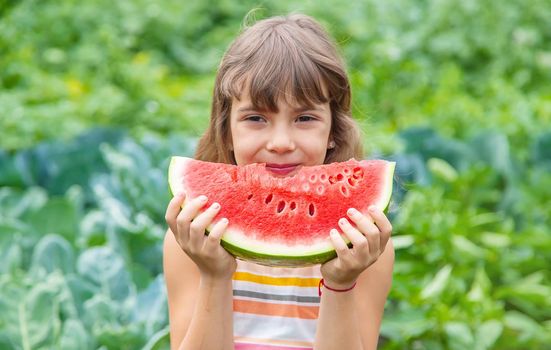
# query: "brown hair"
{"points": [[289, 57]]}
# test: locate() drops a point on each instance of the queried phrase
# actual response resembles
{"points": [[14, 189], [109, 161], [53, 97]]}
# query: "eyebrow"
{"points": [[296, 110]]}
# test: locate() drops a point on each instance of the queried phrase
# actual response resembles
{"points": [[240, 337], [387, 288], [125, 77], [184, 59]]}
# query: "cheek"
{"points": [[315, 148], [244, 148]]}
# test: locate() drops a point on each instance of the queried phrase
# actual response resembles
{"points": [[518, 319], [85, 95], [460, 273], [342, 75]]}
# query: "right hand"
{"points": [[188, 226]]}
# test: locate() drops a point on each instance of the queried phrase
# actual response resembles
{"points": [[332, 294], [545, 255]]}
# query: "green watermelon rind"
{"points": [[264, 258], [278, 260]]}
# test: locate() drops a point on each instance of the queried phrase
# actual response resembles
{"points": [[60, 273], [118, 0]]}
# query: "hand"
{"points": [[188, 226], [368, 239]]}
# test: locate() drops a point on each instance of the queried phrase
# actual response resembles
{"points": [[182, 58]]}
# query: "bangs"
{"points": [[277, 70]]}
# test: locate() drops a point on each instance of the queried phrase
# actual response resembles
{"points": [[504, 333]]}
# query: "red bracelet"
{"points": [[322, 283]]}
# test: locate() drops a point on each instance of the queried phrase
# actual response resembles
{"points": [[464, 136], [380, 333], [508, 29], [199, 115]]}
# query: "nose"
{"points": [[280, 141]]}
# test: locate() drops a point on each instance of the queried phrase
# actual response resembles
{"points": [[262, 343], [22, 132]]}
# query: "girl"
{"points": [[281, 97]]}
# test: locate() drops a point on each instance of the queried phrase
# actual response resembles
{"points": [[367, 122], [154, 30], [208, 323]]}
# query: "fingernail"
{"points": [[224, 220], [352, 212], [215, 206], [372, 208], [203, 198], [343, 221]]}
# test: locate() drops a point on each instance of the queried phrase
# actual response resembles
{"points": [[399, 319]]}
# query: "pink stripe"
{"points": [[245, 346]]}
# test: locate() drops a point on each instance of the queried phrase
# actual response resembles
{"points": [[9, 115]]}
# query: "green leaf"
{"points": [[38, 316], [74, 336], [427, 143], [437, 284], [100, 311], [459, 335], [492, 147], [159, 340], [541, 152], [536, 293], [405, 324], [81, 290], [402, 241], [102, 267], [442, 169], [523, 324], [14, 203], [10, 250], [488, 333], [93, 229], [58, 215], [495, 240], [53, 253], [151, 307], [60, 165], [480, 288], [467, 248], [9, 176]]}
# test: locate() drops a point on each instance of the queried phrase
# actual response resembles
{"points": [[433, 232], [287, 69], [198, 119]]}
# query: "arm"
{"points": [[351, 320], [198, 278]]}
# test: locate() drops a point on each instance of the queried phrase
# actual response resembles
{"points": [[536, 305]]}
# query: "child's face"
{"points": [[283, 140]]}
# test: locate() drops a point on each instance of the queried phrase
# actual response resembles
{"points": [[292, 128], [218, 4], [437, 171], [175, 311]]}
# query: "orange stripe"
{"points": [[269, 309], [276, 281], [273, 342]]}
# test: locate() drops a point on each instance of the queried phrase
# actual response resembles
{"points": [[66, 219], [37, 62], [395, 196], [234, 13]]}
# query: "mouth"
{"points": [[281, 169]]}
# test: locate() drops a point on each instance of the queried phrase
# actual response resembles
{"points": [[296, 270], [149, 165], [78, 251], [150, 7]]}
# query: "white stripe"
{"points": [[271, 289], [273, 328], [278, 272]]}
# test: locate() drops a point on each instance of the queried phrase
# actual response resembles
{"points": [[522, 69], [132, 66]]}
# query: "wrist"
{"points": [[216, 280], [336, 287]]}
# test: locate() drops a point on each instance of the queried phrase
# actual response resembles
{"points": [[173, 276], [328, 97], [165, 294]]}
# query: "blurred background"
{"points": [[96, 95]]}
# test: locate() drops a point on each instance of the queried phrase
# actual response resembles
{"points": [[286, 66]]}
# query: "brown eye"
{"points": [[254, 118], [305, 118]]}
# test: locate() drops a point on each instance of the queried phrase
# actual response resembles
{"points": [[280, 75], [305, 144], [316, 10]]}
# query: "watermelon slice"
{"points": [[283, 221]]}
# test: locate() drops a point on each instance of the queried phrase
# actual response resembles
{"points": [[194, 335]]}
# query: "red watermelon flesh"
{"points": [[283, 221]]}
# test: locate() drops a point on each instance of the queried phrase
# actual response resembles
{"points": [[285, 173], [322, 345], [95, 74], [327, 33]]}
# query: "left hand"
{"points": [[368, 239]]}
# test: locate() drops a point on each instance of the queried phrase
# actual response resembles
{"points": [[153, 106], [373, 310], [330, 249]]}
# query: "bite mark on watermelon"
{"points": [[283, 221]]}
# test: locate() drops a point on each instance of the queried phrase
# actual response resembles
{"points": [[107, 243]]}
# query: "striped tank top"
{"points": [[275, 308]]}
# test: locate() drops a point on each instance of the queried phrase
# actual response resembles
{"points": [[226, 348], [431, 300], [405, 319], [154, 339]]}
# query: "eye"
{"points": [[255, 118], [305, 118]]}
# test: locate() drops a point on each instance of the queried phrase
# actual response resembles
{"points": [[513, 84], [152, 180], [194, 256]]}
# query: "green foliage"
{"points": [[85, 271], [457, 92], [457, 65], [473, 248]]}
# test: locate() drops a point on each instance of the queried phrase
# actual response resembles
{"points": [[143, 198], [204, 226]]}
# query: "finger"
{"points": [[365, 225], [215, 235], [173, 209], [199, 225], [359, 241], [382, 222], [187, 214], [339, 244]]}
